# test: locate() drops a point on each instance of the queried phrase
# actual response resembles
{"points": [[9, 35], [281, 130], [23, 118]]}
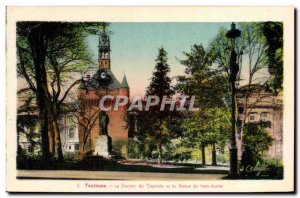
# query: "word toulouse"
{"points": [[138, 104]]}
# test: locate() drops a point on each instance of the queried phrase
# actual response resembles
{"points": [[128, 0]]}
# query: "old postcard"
{"points": [[150, 99]]}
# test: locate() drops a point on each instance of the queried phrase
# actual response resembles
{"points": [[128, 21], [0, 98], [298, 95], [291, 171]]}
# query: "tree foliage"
{"points": [[210, 86], [204, 81], [251, 53], [203, 128], [251, 49], [161, 126], [256, 138], [48, 54], [273, 33], [160, 81]]}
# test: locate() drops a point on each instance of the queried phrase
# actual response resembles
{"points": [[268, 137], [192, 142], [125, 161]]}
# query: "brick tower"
{"points": [[102, 82]]}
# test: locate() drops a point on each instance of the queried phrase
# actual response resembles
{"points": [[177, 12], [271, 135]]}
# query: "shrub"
{"points": [[177, 153], [274, 167], [119, 149], [223, 158], [70, 156], [21, 158], [133, 149], [256, 139], [32, 161]]}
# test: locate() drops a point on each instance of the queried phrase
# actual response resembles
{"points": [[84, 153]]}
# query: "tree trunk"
{"points": [[81, 153], [51, 140], [58, 147], [141, 154], [214, 155], [38, 48], [203, 153], [43, 117], [159, 153]]}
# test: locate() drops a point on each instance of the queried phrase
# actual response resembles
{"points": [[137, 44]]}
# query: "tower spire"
{"points": [[104, 49], [124, 83]]}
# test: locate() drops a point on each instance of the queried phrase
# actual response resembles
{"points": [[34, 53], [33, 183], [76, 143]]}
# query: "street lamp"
{"points": [[232, 34]]}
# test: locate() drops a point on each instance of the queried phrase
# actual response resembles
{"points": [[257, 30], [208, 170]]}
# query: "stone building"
{"points": [[97, 85], [265, 106], [69, 133], [29, 138]]}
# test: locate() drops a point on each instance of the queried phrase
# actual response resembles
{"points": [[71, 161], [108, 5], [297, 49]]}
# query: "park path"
{"points": [[112, 175]]}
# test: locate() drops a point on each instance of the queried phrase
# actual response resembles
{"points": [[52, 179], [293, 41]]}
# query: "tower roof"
{"points": [[124, 83], [92, 84]]}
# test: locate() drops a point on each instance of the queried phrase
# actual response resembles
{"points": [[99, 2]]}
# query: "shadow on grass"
{"points": [[114, 166]]}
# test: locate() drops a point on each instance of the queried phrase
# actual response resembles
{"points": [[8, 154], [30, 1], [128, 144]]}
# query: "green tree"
{"points": [[209, 127], [160, 81], [201, 79], [253, 76], [195, 136], [273, 33], [210, 86], [161, 126], [48, 52], [257, 139], [218, 128], [144, 143]]}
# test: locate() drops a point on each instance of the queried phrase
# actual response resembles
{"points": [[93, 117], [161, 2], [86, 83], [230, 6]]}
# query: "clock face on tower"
{"points": [[103, 79], [103, 75]]}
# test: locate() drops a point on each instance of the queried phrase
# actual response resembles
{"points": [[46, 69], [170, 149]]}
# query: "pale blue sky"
{"points": [[135, 47]]}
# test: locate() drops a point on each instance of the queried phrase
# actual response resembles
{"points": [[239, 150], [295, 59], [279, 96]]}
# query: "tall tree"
{"points": [[194, 126], [217, 129], [209, 86], [253, 75], [161, 125], [204, 128], [48, 53], [34, 35]]}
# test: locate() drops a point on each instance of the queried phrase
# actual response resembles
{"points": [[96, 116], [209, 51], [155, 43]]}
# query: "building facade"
{"points": [[69, 134], [265, 106], [29, 138]]}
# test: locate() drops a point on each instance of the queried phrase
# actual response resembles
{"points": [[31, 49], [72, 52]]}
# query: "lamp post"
{"points": [[232, 34]]}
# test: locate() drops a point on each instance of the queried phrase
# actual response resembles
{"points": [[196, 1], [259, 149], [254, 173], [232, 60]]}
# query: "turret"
{"points": [[124, 88]]}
